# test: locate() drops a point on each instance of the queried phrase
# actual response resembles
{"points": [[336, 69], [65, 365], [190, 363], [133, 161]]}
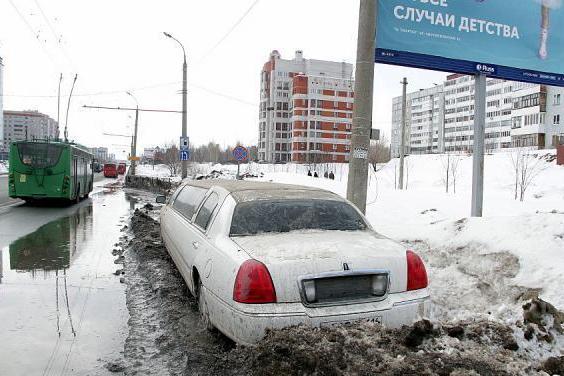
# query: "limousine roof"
{"points": [[242, 190]]}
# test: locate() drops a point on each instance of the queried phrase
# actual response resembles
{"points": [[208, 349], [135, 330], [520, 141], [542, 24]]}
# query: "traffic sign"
{"points": [[184, 155], [137, 159], [184, 143], [240, 153]]}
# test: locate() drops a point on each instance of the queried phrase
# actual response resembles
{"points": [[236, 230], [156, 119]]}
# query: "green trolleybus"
{"points": [[54, 170]]}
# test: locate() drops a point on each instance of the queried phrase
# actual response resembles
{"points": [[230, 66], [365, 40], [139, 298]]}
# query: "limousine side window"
{"points": [[188, 201], [205, 213]]}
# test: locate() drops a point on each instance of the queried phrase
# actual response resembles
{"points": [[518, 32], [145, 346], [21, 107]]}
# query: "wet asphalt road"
{"points": [[4, 190], [62, 310]]}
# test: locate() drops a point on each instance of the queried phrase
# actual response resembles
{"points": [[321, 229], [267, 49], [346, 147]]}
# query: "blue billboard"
{"points": [[521, 40]]}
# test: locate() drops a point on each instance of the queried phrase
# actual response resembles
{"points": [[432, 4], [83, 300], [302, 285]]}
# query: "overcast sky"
{"points": [[118, 45]]}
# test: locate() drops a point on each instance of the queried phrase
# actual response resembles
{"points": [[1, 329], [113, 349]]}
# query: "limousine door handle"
{"points": [[196, 245]]}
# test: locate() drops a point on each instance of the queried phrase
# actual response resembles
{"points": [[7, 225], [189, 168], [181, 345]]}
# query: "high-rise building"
{"points": [[28, 125], [100, 153], [424, 121], [306, 110], [517, 115]]}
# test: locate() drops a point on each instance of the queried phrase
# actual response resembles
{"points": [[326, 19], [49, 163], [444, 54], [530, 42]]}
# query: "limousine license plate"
{"points": [[373, 320]]}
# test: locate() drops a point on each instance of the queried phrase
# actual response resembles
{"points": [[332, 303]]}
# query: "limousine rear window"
{"points": [[257, 217]]}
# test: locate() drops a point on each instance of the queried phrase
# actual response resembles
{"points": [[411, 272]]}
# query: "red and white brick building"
{"points": [[306, 109]]}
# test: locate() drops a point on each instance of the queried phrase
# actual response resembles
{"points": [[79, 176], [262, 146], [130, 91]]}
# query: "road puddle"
{"points": [[62, 309]]}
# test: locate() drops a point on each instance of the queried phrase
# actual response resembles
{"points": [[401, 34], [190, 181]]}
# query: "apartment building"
{"points": [[424, 122], [306, 110], [100, 153], [28, 125], [517, 114]]}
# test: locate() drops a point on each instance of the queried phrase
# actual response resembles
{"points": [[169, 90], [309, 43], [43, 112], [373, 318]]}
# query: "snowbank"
{"points": [[3, 168], [156, 171]]}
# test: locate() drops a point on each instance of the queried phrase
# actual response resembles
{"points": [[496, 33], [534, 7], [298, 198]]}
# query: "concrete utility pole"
{"points": [[134, 138], [184, 101], [362, 118], [478, 151], [402, 132]]}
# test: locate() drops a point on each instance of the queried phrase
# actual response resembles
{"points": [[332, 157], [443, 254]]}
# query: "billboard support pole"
{"points": [[478, 150], [357, 185], [402, 133]]}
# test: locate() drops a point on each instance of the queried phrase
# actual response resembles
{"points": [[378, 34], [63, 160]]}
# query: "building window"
{"points": [[557, 100], [556, 119]]}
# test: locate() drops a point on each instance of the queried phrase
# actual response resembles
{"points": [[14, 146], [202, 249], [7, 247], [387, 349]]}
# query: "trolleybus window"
{"points": [[39, 155]]}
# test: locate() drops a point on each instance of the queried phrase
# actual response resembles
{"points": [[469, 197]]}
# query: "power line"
{"points": [[32, 31], [55, 34], [226, 96], [131, 109], [112, 92], [231, 29], [100, 93]]}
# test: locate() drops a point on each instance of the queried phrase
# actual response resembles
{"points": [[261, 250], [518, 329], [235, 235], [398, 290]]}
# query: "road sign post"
{"points": [[240, 154]]}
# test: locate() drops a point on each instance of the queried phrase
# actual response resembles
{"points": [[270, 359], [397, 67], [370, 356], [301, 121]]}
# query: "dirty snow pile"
{"points": [[469, 348]]}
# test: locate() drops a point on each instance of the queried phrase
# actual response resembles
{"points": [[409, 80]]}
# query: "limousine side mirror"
{"points": [[161, 199]]}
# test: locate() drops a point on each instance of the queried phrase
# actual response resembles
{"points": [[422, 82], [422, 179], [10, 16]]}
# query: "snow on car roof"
{"points": [[242, 190]]}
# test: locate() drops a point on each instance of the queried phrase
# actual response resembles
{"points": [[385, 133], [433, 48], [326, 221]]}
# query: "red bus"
{"points": [[110, 170], [121, 168]]}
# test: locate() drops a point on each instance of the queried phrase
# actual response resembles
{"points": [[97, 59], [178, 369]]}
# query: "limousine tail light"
{"points": [[416, 272], [253, 284]]}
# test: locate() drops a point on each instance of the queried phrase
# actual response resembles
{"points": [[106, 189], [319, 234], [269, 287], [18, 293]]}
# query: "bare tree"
{"points": [[526, 167], [171, 159], [454, 171], [379, 153], [445, 171]]}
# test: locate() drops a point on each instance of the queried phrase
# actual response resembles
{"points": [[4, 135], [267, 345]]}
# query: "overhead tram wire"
{"points": [[32, 31], [228, 33], [55, 34], [112, 92]]}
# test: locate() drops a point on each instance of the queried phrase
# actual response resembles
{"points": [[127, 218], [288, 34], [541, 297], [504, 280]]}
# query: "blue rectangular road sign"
{"points": [[514, 40], [184, 155]]}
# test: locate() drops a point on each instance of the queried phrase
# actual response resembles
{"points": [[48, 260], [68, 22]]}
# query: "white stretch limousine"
{"points": [[262, 255]]}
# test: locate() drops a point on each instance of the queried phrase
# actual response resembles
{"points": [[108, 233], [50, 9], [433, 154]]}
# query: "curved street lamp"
{"points": [[184, 100]]}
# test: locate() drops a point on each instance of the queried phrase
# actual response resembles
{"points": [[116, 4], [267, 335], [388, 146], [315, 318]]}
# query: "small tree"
{"points": [[171, 159], [526, 167], [445, 171], [454, 171], [379, 153]]}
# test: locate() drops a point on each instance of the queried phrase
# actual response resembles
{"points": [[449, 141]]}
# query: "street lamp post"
{"points": [[184, 101], [134, 140]]}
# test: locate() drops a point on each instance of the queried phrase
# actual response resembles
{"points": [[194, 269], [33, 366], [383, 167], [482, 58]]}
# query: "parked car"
{"points": [[121, 168], [264, 255], [110, 170]]}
